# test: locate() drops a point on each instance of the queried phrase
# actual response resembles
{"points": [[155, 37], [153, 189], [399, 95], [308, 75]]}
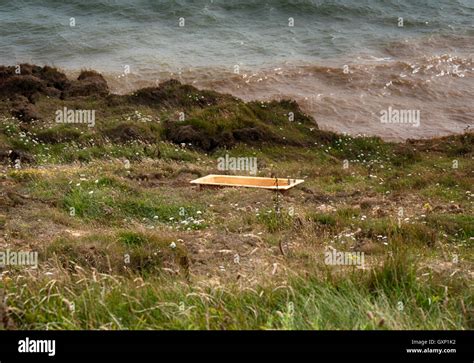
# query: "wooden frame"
{"points": [[247, 182]]}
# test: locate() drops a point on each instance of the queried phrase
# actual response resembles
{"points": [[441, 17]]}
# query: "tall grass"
{"points": [[387, 297]]}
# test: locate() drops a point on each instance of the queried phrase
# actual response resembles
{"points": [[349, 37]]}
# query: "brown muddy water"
{"points": [[368, 96]]}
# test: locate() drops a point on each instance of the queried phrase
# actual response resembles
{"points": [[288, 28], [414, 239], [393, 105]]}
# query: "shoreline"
{"points": [[52, 82], [299, 83]]}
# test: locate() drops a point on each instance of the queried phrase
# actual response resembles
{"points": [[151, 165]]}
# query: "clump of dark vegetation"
{"points": [[23, 110], [130, 131], [459, 145], [58, 134], [89, 83], [30, 81], [24, 84], [172, 94]]}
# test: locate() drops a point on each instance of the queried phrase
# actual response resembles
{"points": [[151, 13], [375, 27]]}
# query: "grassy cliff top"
{"points": [[124, 241]]}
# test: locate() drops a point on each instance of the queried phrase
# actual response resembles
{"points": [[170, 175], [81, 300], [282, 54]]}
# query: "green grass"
{"points": [[126, 243], [123, 253], [460, 226], [107, 206], [389, 298], [274, 220]]}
